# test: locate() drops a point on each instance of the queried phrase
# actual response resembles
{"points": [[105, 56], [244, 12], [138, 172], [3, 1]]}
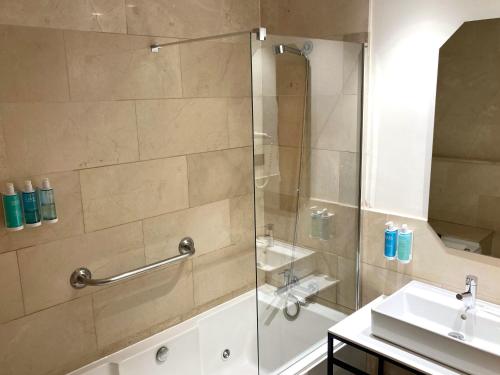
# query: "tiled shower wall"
{"points": [[142, 149]]}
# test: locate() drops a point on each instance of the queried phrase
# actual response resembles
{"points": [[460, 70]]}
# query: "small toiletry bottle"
{"points": [[269, 235], [315, 222], [391, 240], [30, 206], [325, 224], [12, 209], [405, 244], [47, 202]]}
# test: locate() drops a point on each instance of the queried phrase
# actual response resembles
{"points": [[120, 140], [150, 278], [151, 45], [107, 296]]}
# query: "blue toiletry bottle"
{"points": [[31, 210], [391, 240], [405, 244], [12, 209]]}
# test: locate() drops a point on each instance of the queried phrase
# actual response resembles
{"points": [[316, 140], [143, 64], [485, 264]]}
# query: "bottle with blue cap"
{"points": [[31, 209], [391, 240]]}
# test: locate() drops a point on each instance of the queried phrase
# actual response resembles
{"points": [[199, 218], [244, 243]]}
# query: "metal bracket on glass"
{"points": [[261, 33], [155, 48], [82, 276]]}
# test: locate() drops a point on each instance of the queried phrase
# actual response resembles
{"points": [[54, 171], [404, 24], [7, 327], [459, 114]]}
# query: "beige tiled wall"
{"points": [[326, 19], [142, 149], [432, 261]]}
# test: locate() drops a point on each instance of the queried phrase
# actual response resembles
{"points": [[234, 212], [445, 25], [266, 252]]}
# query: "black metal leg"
{"points": [[330, 354], [380, 366]]}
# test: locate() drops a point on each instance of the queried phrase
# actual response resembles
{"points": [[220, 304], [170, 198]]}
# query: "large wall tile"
{"points": [[373, 239], [91, 15], [325, 175], [53, 137], [45, 269], [128, 192], [222, 272], [58, 340], [297, 17], [138, 305], [345, 234], [181, 126], [352, 74], [216, 68], [349, 169], [239, 121], [346, 289], [291, 75], [291, 119], [378, 281], [10, 288], [289, 163], [113, 67], [328, 264], [208, 225], [4, 164], [69, 210], [335, 123], [219, 175], [190, 18], [32, 65], [242, 222]]}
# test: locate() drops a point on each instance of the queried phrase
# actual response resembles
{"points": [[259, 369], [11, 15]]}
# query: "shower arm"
{"points": [[260, 32]]}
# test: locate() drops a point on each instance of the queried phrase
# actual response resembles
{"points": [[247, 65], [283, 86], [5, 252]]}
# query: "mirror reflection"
{"points": [[464, 203]]}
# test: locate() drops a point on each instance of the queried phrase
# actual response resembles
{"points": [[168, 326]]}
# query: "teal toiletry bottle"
{"points": [[30, 206], [47, 202], [12, 209], [405, 244], [391, 240]]}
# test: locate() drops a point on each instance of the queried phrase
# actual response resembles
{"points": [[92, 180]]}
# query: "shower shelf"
{"points": [[305, 287], [273, 258], [82, 276]]}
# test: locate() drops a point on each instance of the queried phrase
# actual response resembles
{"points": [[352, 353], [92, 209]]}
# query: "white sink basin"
{"points": [[427, 320]]}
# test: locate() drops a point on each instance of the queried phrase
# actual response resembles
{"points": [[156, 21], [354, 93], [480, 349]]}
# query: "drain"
{"points": [[226, 354], [161, 354], [457, 335]]}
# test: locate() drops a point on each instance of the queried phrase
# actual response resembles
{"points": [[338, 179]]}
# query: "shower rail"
{"points": [[82, 276]]}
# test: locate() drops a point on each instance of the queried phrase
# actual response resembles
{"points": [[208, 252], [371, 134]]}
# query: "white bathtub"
{"points": [[195, 346]]}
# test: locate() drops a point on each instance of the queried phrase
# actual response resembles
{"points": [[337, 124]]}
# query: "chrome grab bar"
{"points": [[82, 276]]}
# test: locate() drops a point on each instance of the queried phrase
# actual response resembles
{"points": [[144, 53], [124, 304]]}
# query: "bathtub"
{"points": [[196, 346]]}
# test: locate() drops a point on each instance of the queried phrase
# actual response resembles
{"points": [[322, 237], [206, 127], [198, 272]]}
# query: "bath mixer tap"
{"points": [[289, 279], [469, 296]]}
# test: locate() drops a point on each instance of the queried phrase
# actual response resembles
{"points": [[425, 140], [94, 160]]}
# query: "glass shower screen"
{"points": [[307, 134]]}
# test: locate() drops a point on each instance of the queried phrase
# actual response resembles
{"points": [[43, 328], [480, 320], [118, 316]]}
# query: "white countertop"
{"points": [[356, 328]]}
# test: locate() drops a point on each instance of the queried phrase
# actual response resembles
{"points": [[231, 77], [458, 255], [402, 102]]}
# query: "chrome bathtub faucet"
{"points": [[469, 296]]}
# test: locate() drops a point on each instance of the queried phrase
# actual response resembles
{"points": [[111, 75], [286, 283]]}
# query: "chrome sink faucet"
{"points": [[469, 296]]}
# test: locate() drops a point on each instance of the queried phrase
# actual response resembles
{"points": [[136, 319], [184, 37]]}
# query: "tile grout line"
{"points": [[66, 66], [137, 132], [21, 284], [94, 320]]}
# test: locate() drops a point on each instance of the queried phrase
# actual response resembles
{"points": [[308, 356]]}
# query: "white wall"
{"points": [[405, 37]]}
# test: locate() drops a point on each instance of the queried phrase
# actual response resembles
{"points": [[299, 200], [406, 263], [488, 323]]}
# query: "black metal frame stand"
{"points": [[346, 366]]}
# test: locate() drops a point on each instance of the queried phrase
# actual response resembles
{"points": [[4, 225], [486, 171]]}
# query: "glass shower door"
{"points": [[307, 133]]}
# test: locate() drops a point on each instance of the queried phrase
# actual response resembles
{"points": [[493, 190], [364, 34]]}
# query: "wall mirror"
{"points": [[464, 200]]}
